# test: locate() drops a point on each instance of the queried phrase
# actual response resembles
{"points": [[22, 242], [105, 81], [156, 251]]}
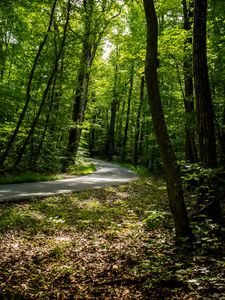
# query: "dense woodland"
{"points": [[72, 82], [75, 81]]}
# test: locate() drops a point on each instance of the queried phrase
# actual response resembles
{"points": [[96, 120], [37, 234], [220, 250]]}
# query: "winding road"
{"points": [[107, 174]]}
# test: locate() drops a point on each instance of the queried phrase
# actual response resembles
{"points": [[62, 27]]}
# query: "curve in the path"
{"points": [[107, 174]]}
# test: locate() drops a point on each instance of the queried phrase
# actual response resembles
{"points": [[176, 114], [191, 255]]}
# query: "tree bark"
{"points": [[173, 179], [221, 133], [41, 142], [124, 144], [110, 147], [205, 115], [190, 145], [81, 90], [138, 123]]}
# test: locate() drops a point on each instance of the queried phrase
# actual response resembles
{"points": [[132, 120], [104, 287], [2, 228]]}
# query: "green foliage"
{"points": [[140, 170], [155, 218], [195, 176], [81, 168], [28, 177], [56, 253], [123, 44], [207, 189]]}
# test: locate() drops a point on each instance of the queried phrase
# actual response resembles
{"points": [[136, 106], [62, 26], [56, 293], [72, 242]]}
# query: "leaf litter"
{"points": [[98, 245]]}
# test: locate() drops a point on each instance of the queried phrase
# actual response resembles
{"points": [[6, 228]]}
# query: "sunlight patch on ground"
{"points": [[63, 238]]}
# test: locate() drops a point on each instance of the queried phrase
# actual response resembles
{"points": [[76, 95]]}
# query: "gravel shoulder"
{"points": [[107, 174]]}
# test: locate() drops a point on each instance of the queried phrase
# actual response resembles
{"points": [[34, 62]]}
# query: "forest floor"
{"points": [[109, 243]]}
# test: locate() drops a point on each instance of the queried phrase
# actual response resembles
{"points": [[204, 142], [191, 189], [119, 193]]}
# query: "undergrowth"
{"points": [[140, 170], [28, 176], [78, 169], [111, 243], [81, 168]]}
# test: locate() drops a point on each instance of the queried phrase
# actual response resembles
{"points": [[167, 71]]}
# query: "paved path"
{"points": [[107, 174]]}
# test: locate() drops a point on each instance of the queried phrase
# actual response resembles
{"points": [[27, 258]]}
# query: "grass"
{"points": [[81, 168], [110, 243], [28, 176], [140, 170]]}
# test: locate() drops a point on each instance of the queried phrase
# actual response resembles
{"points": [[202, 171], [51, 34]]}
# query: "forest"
{"points": [[140, 83]]}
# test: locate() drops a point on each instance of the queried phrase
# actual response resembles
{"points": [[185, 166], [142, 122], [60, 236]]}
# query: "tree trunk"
{"points": [[81, 91], [110, 147], [206, 130], [207, 140], [190, 145], [221, 133], [91, 42], [3, 54], [75, 117], [174, 186], [138, 123], [41, 142], [28, 96], [120, 114], [124, 144], [92, 136]]}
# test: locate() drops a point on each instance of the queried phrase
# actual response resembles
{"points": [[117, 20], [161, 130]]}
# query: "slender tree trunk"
{"points": [[124, 145], [38, 151], [221, 130], [110, 148], [174, 186], [190, 145], [120, 115], [1, 54], [206, 130], [45, 94], [138, 123], [11, 63], [28, 91], [3, 58], [92, 136], [119, 124], [82, 113], [75, 116]]}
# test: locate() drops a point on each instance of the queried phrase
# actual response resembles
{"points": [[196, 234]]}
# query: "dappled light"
{"points": [[112, 150], [105, 242]]}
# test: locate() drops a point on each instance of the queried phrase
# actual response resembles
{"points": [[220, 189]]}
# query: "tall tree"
{"points": [[81, 90], [205, 114], [124, 144], [138, 123], [110, 144], [190, 145], [174, 186], [93, 33]]}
